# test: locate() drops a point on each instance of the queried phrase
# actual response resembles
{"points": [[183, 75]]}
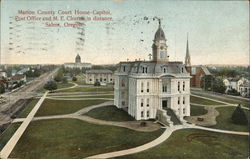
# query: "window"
{"points": [[142, 114], [141, 86], [90, 79], [123, 83], [178, 100], [182, 69], [184, 110], [183, 86], [147, 86], [164, 70], [104, 79], [193, 70], [147, 113], [164, 88], [110, 79], [147, 102], [178, 86], [141, 102], [183, 100], [124, 68], [144, 70]]}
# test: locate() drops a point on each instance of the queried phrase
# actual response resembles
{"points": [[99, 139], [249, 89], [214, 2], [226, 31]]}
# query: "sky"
{"points": [[218, 31]]}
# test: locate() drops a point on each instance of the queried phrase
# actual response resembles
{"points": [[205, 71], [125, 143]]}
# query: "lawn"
{"points": [[75, 139], [203, 101], [224, 120], [197, 144], [58, 107], [7, 134], [80, 82], [87, 89], [59, 86], [197, 110], [110, 113], [226, 99], [96, 96], [24, 113]]}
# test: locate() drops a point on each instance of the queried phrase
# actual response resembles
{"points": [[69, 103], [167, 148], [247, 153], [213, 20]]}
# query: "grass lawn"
{"points": [[59, 86], [96, 96], [24, 113], [227, 99], [64, 85], [224, 120], [7, 134], [202, 101], [197, 110], [87, 89], [80, 82], [110, 113], [189, 144], [75, 139], [57, 107]]}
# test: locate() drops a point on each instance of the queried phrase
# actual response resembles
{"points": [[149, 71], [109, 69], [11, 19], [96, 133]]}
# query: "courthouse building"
{"points": [[152, 89]]}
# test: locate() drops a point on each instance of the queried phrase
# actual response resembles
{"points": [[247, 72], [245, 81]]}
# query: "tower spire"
{"points": [[187, 58]]}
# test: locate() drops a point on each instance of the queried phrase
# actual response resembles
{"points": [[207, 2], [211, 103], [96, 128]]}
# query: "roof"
{"points": [[17, 77], [159, 35], [245, 84], [78, 56], [204, 69], [1, 70], [236, 79], [136, 67], [99, 71]]}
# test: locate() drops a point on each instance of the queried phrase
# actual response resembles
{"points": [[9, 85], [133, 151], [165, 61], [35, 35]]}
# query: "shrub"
{"points": [[97, 83], [239, 116]]}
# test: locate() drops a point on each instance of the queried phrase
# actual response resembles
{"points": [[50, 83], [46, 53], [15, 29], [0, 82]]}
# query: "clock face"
{"points": [[161, 47], [161, 54]]}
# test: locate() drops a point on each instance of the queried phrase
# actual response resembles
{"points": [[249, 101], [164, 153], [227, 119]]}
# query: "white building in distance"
{"points": [[153, 89], [103, 76], [78, 64]]}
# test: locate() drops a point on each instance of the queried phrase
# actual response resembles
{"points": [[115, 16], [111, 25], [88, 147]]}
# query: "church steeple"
{"points": [[187, 58], [159, 46]]}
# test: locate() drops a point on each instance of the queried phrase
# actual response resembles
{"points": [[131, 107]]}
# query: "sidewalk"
{"points": [[4, 154]]}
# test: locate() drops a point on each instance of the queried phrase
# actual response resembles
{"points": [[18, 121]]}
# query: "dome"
{"points": [[159, 35], [78, 59]]}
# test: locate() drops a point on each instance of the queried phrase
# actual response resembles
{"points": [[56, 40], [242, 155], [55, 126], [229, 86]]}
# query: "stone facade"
{"points": [[103, 76], [144, 87]]}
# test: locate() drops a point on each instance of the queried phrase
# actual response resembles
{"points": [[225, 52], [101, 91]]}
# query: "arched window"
{"points": [[141, 86]]}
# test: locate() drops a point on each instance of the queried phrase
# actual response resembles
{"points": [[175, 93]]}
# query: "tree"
{"points": [[233, 92], [206, 82], [50, 85], [239, 116], [2, 88], [59, 76], [218, 86]]}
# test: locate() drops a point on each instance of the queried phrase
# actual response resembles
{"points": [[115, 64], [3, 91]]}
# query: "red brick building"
{"points": [[197, 72]]}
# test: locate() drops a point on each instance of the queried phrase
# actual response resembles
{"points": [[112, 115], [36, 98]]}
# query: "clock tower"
{"points": [[159, 46]]}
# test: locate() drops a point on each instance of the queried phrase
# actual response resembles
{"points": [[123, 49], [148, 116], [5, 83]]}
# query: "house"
{"points": [[244, 89], [233, 83], [103, 76], [3, 73], [78, 64], [154, 89]]}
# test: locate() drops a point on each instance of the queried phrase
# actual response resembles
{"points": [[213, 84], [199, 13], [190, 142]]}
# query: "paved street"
{"points": [[25, 92]]}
